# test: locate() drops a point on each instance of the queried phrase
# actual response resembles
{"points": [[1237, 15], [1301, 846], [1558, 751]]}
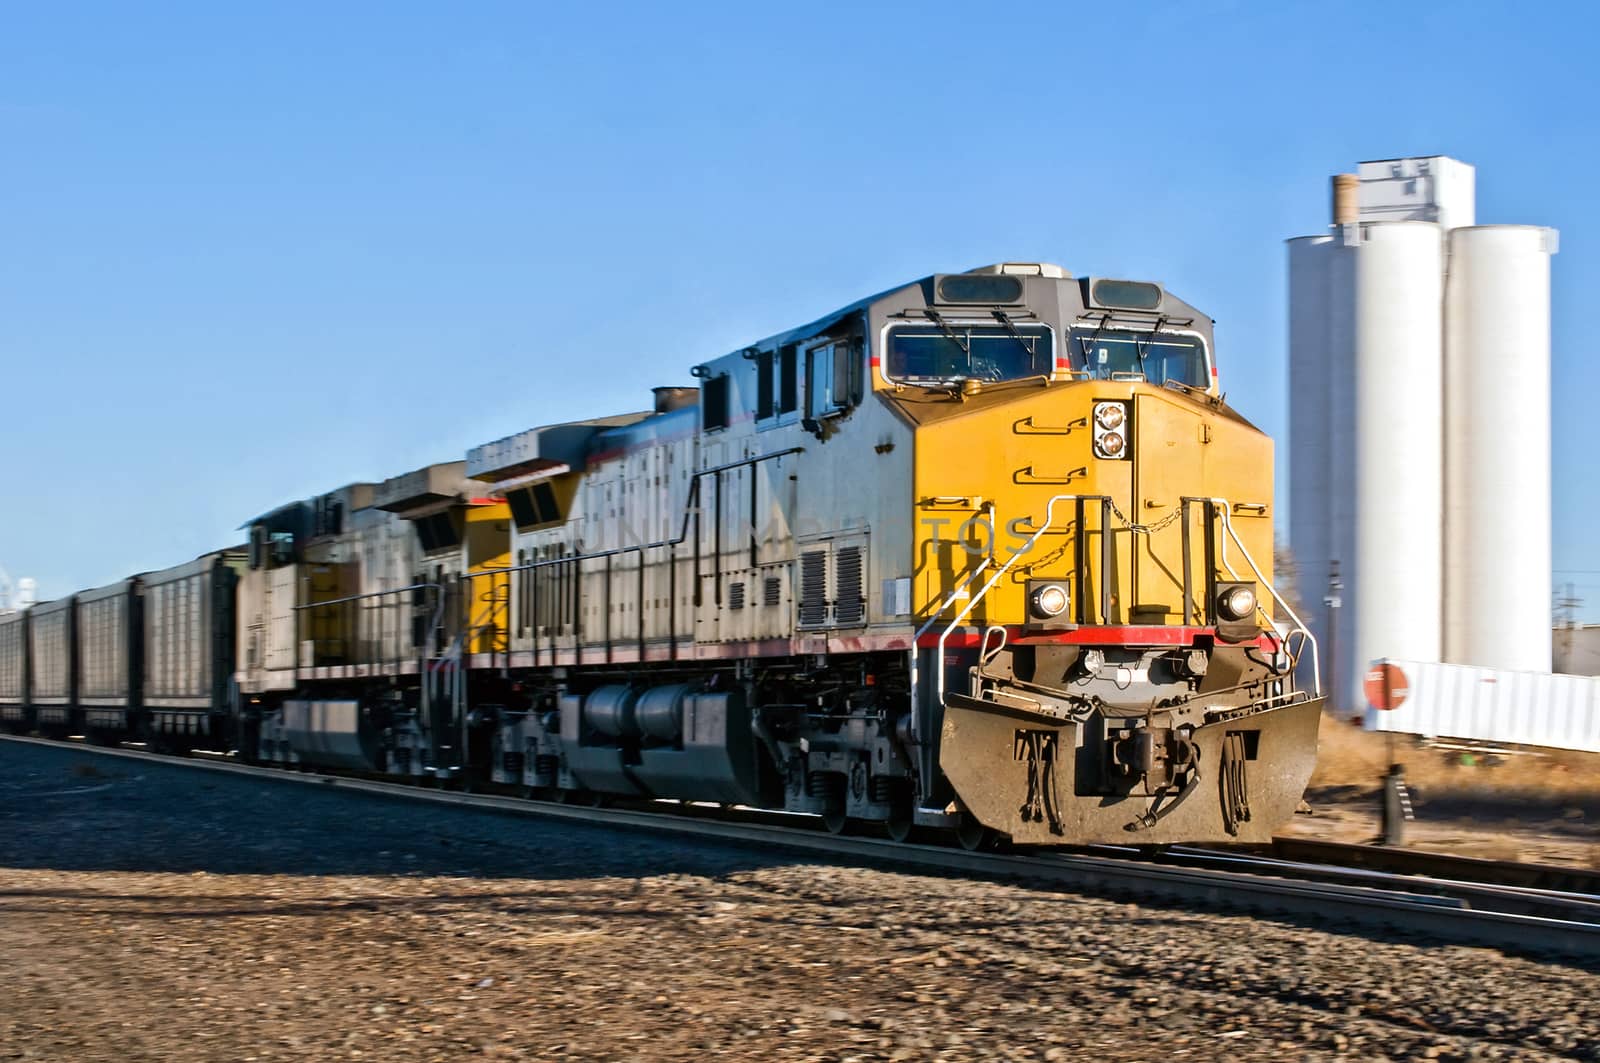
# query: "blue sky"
{"points": [[248, 253]]}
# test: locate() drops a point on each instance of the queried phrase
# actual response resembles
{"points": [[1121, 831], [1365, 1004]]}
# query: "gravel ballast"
{"points": [[153, 912]]}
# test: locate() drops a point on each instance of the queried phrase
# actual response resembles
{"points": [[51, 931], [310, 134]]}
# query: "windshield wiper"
{"points": [[1139, 347], [1005, 319], [950, 333], [1088, 344]]}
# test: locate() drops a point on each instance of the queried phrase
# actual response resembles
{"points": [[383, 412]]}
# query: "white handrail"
{"points": [[1300, 627], [1223, 507], [972, 603], [916, 639]]}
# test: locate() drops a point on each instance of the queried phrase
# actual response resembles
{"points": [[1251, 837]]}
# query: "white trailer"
{"points": [[1493, 705]]}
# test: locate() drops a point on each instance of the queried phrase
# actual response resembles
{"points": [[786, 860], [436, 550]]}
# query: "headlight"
{"points": [[1109, 415], [1110, 430], [1050, 601], [1237, 602]]}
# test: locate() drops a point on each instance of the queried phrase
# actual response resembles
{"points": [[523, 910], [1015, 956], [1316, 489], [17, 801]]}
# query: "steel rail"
{"points": [[1325, 905], [1440, 865], [1489, 896]]}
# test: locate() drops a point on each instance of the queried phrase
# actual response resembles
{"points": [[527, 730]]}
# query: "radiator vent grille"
{"points": [[773, 593], [736, 596], [849, 607], [813, 588]]}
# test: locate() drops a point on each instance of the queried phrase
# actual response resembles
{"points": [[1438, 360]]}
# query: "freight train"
{"points": [[986, 553]]}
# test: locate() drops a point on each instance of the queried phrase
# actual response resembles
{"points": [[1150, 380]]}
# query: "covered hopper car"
{"points": [[987, 552]]}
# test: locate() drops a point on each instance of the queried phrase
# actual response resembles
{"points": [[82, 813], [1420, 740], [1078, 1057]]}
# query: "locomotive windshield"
{"points": [[1154, 356], [955, 350]]}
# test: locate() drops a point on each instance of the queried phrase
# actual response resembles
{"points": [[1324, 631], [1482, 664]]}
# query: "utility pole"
{"points": [[1566, 620]]}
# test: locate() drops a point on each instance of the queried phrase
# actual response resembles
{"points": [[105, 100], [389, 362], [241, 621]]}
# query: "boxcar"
{"points": [[188, 651], [52, 658], [15, 714], [110, 659]]}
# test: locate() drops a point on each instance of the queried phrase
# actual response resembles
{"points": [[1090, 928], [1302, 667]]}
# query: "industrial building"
{"points": [[1577, 649], [1419, 444]]}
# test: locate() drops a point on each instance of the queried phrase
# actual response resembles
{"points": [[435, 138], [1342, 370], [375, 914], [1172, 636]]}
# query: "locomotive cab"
{"points": [[1099, 636]]}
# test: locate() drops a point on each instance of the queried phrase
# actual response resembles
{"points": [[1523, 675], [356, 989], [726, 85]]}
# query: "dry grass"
{"points": [[1350, 756]]}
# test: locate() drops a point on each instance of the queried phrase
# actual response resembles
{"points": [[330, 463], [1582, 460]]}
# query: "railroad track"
{"points": [[1439, 865], [1514, 917]]}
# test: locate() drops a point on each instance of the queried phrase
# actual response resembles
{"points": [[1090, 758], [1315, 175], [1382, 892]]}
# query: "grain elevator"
{"points": [[1419, 435]]}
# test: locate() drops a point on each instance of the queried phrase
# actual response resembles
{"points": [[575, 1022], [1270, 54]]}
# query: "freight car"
{"points": [[986, 552], [16, 714]]}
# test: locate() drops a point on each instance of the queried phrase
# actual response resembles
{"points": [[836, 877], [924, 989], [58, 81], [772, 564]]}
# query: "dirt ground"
{"points": [[148, 912], [1541, 807]]}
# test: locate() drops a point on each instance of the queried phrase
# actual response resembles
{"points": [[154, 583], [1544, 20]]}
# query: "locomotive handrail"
{"points": [[949, 600], [972, 603], [1223, 509], [691, 512], [1219, 506], [368, 594], [433, 622]]}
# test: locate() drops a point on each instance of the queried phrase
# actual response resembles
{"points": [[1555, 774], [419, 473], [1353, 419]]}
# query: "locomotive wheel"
{"points": [[900, 823], [973, 836], [835, 820]]}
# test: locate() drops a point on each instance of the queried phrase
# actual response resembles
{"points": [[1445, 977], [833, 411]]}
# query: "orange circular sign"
{"points": [[1386, 686]]}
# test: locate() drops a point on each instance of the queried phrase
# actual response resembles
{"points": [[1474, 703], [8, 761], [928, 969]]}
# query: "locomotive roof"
{"points": [[1170, 307]]}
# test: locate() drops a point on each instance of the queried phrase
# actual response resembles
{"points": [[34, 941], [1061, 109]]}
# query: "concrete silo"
{"points": [[1419, 449], [1497, 579], [1310, 430], [1397, 461]]}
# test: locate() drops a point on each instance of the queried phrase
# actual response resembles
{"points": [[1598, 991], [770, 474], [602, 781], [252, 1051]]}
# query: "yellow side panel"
{"points": [[488, 535], [328, 629]]}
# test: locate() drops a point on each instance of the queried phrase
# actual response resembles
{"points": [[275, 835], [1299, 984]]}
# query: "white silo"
{"points": [[1398, 458], [1430, 438], [1309, 428], [1497, 447], [1338, 634]]}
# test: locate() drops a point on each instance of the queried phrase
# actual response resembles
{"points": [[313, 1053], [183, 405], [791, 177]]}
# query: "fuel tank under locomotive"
{"points": [[675, 740]]}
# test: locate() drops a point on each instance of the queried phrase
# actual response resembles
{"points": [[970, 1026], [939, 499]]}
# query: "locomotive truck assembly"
{"points": [[987, 552]]}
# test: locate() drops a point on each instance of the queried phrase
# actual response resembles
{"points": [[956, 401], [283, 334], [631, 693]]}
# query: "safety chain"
{"points": [[1145, 529], [1137, 529]]}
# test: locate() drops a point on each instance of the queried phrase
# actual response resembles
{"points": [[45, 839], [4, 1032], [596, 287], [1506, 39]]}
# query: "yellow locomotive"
{"points": [[986, 552]]}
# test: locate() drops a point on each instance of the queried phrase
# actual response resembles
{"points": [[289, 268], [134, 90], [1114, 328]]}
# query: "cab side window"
{"points": [[788, 379], [833, 378], [714, 403], [766, 398]]}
